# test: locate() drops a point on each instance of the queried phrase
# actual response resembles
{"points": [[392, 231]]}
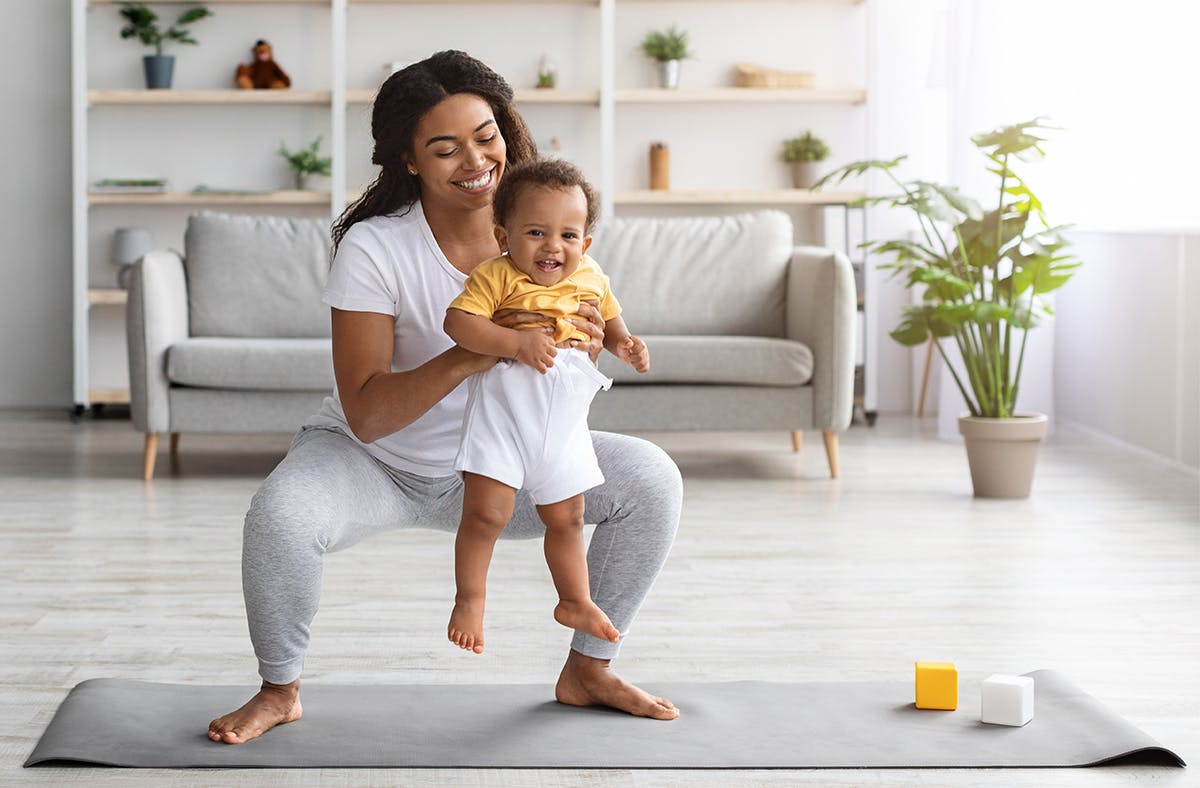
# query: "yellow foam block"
{"points": [[937, 686]]}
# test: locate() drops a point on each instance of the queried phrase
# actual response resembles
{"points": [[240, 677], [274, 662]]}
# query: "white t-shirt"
{"points": [[392, 265]]}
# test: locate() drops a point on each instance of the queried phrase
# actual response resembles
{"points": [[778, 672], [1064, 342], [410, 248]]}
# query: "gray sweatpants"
{"points": [[328, 493]]}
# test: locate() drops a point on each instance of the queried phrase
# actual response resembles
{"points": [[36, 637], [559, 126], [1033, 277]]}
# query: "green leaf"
{"points": [[913, 328], [1042, 272], [956, 199], [856, 168], [193, 15], [941, 284]]}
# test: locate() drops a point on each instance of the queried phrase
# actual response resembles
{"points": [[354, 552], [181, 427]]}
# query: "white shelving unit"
{"points": [[606, 99]]}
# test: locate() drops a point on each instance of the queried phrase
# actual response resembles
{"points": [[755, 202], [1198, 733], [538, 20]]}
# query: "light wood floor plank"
{"points": [[779, 573]]}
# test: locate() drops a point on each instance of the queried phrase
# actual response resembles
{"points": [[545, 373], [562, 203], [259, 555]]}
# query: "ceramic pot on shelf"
{"points": [[159, 70], [805, 173], [668, 74], [1002, 453]]}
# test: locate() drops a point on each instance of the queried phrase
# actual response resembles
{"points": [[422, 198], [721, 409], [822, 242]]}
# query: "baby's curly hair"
{"points": [[554, 173]]}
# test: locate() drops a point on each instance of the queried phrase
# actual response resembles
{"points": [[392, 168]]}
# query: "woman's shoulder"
{"points": [[386, 225]]}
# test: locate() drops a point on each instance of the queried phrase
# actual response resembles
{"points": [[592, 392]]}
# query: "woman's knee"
{"points": [[283, 512], [643, 476]]}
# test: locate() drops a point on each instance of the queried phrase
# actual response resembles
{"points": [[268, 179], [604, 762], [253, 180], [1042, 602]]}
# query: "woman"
{"points": [[379, 454]]}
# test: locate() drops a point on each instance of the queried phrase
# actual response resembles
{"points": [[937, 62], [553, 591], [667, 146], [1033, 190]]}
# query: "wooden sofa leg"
{"points": [[831, 451], [174, 447], [797, 440], [150, 456]]}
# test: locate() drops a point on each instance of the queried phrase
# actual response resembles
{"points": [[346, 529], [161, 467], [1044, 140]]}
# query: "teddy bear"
{"points": [[264, 72]]}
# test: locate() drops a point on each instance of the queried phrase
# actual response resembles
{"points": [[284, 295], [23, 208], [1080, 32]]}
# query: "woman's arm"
{"points": [[377, 401]]}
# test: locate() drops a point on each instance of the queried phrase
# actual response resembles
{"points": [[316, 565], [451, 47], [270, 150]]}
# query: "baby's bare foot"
{"points": [[275, 704], [586, 616], [465, 629]]}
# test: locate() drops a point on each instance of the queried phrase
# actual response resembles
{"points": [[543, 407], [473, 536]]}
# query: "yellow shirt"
{"points": [[498, 284]]}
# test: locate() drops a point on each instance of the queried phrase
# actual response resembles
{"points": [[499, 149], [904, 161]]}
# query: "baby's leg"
{"points": [[568, 566], [487, 508]]}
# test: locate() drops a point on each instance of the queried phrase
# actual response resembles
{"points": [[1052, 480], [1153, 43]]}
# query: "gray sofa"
{"points": [[746, 331]]}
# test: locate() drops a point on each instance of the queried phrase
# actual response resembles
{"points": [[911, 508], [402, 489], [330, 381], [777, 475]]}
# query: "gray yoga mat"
{"points": [[737, 725]]}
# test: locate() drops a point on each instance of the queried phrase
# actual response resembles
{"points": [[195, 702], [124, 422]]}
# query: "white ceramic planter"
{"points": [[668, 74], [1002, 453], [805, 173]]}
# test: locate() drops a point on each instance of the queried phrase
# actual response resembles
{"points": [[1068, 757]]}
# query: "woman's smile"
{"points": [[478, 183]]}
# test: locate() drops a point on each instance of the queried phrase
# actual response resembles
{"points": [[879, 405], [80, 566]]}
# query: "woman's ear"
{"points": [[502, 239]]}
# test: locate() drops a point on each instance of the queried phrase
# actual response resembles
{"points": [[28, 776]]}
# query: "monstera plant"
{"points": [[983, 269]]}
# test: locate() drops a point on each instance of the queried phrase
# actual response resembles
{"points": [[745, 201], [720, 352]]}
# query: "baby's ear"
{"points": [[587, 242], [502, 238]]}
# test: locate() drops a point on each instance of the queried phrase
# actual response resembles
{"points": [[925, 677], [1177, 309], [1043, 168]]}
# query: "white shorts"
{"points": [[529, 430]]}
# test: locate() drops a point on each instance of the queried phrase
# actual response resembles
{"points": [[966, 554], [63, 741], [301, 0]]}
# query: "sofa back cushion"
{"points": [[256, 276], [698, 275]]}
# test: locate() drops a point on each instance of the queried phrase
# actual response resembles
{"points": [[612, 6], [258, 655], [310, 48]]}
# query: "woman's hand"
{"points": [[589, 321]]}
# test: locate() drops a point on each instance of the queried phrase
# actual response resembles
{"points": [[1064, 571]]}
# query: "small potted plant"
{"points": [[143, 23], [805, 153], [983, 277], [305, 162], [667, 48], [547, 74]]}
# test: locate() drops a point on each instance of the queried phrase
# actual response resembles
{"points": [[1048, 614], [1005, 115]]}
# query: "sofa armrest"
{"points": [[820, 312], [156, 317]]}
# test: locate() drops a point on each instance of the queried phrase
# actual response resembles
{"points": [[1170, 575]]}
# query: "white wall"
{"points": [[1127, 341], [35, 212]]}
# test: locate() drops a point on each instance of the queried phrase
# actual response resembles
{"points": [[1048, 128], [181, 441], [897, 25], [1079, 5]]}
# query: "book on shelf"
{"points": [[220, 190], [130, 186]]}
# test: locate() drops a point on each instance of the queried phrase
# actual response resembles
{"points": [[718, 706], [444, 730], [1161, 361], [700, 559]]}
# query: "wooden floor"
{"points": [[778, 573]]}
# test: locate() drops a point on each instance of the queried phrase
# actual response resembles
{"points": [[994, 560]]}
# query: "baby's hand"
{"points": [[634, 352], [536, 349]]}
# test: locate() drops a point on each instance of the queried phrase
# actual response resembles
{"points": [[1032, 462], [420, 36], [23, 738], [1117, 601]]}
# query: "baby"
{"points": [[526, 420]]}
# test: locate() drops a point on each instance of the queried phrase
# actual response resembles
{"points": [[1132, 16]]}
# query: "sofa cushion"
{"points": [[252, 364], [739, 361], [256, 276], [698, 275]]}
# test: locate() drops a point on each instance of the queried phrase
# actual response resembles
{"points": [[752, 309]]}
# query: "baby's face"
{"points": [[545, 233]]}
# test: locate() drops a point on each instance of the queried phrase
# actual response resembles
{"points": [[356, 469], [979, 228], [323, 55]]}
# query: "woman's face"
{"points": [[458, 153]]}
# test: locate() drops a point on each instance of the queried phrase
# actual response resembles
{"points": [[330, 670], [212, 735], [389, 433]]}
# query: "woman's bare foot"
{"points": [[586, 616], [275, 704], [465, 629], [586, 681]]}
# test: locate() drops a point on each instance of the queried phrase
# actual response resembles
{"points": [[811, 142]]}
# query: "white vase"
{"points": [[805, 173], [668, 74]]}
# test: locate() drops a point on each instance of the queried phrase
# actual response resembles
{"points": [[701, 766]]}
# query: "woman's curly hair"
{"points": [[402, 101]]}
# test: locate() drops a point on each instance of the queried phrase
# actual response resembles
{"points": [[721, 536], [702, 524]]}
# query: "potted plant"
{"points": [[305, 162], [547, 74], [805, 153], [667, 48], [984, 275], [143, 23]]}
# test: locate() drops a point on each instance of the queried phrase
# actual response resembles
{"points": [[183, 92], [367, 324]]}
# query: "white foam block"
{"points": [[1006, 700]]}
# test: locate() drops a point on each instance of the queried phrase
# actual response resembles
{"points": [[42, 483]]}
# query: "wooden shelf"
{"points": [[759, 197], [740, 95], [282, 197], [459, 2], [217, 2], [102, 97], [107, 296]]}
